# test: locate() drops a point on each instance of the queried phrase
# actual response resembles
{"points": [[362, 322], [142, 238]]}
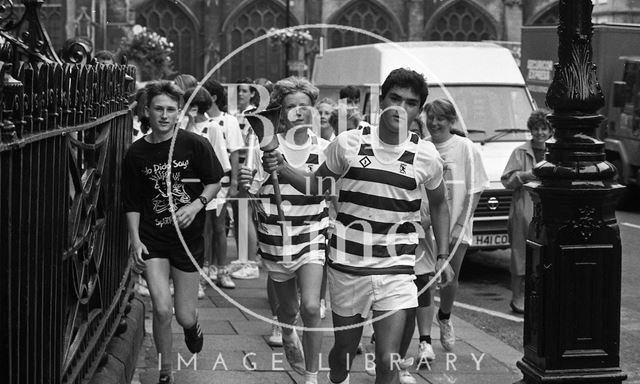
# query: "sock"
{"points": [[192, 332], [426, 338], [165, 369], [310, 377], [443, 316]]}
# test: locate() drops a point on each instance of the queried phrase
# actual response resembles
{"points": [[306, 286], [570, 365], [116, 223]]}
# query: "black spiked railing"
{"points": [[65, 281]]}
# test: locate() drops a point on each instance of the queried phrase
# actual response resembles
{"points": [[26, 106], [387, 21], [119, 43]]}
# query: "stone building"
{"points": [[207, 31]]}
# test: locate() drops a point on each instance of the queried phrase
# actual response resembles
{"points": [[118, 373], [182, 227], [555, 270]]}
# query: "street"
{"points": [[484, 294]]}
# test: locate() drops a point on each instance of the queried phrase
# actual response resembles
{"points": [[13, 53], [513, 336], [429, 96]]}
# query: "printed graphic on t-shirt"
{"points": [[158, 175]]}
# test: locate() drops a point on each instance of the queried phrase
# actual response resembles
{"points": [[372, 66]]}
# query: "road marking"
{"points": [[486, 311], [631, 225]]}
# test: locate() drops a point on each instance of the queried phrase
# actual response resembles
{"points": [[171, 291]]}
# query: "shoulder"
{"points": [[190, 137], [426, 148]]}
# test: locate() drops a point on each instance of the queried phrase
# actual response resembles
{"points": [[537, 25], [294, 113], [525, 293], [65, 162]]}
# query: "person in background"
{"points": [[230, 129], [325, 107], [155, 248], [351, 96], [353, 119], [206, 126], [105, 57], [465, 178], [519, 171]]}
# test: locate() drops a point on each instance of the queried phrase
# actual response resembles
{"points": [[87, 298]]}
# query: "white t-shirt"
{"points": [[464, 174], [213, 133]]}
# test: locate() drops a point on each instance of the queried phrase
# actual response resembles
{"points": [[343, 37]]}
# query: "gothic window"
{"points": [[52, 17], [262, 59], [550, 17], [170, 21], [365, 15], [462, 21]]}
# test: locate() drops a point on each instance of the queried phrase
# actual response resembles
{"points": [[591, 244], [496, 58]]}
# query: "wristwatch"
{"points": [[442, 256], [203, 200]]}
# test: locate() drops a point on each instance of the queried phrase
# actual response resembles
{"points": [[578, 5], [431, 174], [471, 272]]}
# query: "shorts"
{"points": [[178, 257], [281, 272], [358, 295], [421, 281]]}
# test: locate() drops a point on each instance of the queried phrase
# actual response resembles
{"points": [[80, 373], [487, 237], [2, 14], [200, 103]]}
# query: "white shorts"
{"points": [[282, 271], [358, 295]]}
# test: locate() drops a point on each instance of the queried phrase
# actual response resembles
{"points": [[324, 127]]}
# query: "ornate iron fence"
{"points": [[65, 282]]}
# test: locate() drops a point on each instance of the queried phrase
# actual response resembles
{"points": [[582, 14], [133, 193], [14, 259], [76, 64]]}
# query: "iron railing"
{"points": [[65, 281]]}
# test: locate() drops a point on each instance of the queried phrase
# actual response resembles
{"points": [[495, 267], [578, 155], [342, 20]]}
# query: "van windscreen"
{"points": [[498, 113]]}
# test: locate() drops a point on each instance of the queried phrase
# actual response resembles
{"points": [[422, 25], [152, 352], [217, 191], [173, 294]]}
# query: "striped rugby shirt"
{"points": [[379, 200], [307, 215]]}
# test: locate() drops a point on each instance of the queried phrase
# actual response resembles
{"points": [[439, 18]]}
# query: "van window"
{"points": [[487, 110]]}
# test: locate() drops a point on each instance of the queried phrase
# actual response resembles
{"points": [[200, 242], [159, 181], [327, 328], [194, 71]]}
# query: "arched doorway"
{"points": [[461, 21], [172, 20], [363, 14], [549, 17], [265, 58]]}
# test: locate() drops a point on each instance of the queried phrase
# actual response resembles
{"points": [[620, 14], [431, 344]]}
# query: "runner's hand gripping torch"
{"points": [[265, 126]]}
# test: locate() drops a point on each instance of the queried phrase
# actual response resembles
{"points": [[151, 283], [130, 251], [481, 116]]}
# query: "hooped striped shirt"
{"points": [[306, 215], [378, 221]]}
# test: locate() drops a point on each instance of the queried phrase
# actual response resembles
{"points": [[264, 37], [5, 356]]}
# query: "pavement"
{"points": [[236, 351]]}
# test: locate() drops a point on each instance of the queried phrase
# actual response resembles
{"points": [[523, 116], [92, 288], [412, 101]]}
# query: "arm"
{"points": [[439, 213], [235, 167], [136, 247], [470, 202], [187, 213], [304, 182]]}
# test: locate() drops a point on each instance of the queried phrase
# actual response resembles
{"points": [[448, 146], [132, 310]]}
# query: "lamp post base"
{"points": [[533, 375]]}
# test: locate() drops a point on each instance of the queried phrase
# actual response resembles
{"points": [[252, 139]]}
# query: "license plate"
{"points": [[491, 240]]}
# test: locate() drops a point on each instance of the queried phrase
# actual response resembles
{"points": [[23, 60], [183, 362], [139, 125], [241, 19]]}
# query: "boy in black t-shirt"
{"points": [[155, 248]]}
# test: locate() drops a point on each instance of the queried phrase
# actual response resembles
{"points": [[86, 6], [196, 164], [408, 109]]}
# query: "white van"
{"points": [[481, 79]]}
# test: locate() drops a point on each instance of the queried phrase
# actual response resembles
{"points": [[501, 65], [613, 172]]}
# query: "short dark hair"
{"points": [[537, 117], [105, 55], [141, 101], [350, 92], [406, 78], [216, 89], [163, 87], [202, 100]]}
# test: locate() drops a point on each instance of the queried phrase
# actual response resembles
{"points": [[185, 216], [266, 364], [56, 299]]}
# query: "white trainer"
{"points": [[447, 333], [425, 352], [406, 377], [275, 339], [248, 271]]}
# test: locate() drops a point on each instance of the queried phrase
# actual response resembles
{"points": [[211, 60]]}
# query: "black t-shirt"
{"points": [[194, 165]]}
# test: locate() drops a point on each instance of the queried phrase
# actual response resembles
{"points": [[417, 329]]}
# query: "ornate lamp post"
{"points": [[572, 321]]}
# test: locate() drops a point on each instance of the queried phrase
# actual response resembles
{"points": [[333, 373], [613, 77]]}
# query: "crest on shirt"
{"points": [[403, 168], [365, 162]]}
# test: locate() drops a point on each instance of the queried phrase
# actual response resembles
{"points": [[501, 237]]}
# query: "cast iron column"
{"points": [[572, 320]]}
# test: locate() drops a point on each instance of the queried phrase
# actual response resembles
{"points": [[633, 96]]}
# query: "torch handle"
{"points": [[276, 194]]}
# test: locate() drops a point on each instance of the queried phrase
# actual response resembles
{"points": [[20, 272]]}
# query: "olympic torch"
{"points": [[264, 125]]}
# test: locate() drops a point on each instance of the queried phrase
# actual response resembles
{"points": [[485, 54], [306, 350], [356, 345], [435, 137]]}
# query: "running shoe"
{"points": [[224, 280], [294, 353], [194, 338], [406, 377], [165, 378], [425, 353], [275, 339], [248, 271], [447, 333]]}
